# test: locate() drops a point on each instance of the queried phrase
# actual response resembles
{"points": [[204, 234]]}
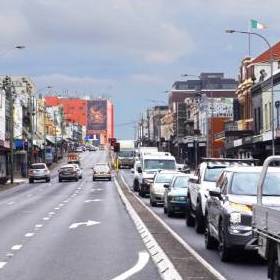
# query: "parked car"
{"points": [[229, 209], [68, 172], [134, 170], [162, 177], [175, 195], [101, 171], [92, 148], [39, 171], [203, 181]]}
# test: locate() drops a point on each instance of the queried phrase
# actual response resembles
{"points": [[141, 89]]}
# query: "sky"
{"points": [[131, 51]]}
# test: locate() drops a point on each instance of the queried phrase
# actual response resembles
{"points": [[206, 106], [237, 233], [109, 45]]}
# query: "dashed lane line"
{"points": [[16, 247]]}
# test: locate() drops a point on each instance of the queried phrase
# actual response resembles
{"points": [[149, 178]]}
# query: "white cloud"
{"points": [[66, 82]]}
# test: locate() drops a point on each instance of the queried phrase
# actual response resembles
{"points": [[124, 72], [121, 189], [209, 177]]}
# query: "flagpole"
{"points": [[249, 37]]}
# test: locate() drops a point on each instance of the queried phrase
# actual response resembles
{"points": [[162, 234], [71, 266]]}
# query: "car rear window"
{"points": [[101, 168], [68, 168], [38, 166], [164, 178]]}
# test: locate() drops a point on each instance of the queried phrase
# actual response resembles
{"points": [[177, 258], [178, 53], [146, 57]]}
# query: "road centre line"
{"points": [[29, 234], [16, 247]]}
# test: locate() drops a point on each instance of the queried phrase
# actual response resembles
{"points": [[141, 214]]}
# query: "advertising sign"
{"points": [[97, 115]]}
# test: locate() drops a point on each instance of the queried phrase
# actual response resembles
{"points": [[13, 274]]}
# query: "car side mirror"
{"points": [[166, 186], [215, 193], [132, 170], [194, 179], [139, 169]]}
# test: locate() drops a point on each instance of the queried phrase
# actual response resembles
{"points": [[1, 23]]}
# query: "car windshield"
{"points": [[181, 182], [101, 168], [164, 164], [126, 154], [246, 184], [164, 178], [38, 166], [212, 173]]}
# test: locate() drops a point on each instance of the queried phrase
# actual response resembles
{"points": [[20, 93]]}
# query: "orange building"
{"points": [[75, 109], [97, 115]]}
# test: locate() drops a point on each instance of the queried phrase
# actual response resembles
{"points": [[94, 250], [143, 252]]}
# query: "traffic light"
{"points": [[116, 147]]}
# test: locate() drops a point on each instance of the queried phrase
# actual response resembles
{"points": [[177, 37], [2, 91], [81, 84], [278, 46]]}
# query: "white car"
{"points": [[134, 170], [157, 188]]}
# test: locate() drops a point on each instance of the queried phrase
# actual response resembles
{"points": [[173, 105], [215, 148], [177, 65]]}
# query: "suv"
{"points": [[229, 208], [203, 181], [134, 170], [150, 164], [39, 171]]}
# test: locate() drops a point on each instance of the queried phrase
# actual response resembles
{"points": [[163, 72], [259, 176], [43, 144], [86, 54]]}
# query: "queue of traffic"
{"points": [[218, 199]]}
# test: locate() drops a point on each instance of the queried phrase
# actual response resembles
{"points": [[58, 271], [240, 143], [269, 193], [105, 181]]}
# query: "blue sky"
{"points": [[130, 50]]}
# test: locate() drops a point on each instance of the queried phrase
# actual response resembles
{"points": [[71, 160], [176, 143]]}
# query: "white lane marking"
{"points": [[38, 226], [29, 234], [46, 218], [143, 258], [16, 247], [2, 264], [56, 208], [61, 205], [66, 201], [11, 203], [92, 200], [51, 213], [88, 224]]}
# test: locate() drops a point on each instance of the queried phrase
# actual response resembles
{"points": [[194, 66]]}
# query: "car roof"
{"points": [[67, 165], [105, 163], [160, 157], [38, 163], [248, 169], [167, 172]]}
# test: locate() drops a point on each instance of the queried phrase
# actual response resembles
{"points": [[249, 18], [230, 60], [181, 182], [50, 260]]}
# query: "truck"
{"points": [[126, 155], [203, 181], [149, 166], [73, 157], [266, 218]]}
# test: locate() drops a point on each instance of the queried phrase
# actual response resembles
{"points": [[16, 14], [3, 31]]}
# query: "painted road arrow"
{"points": [[88, 224]]}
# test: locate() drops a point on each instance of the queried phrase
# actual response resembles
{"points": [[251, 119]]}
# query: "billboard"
{"points": [[97, 115]]}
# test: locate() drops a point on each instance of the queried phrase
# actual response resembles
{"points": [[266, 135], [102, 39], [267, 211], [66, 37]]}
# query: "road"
{"points": [[242, 268], [70, 230]]}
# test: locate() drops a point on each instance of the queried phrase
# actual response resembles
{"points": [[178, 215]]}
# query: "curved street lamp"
{"points": [[230, 31]]}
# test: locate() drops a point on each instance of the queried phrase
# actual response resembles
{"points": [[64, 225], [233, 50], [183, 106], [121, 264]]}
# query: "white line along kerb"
{"points": [[2, 264], [164, 265], [143, 258]]}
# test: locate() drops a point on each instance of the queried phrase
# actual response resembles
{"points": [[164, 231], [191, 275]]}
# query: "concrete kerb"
{"points": [[165, 267], [208, 266]]}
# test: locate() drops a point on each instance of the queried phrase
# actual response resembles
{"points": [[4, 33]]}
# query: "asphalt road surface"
{"points": [[244, 267], [69, 230]]}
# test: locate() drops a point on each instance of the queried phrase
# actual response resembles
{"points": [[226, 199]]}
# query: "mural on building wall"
{"points": [[220, 107], [97, 115]]}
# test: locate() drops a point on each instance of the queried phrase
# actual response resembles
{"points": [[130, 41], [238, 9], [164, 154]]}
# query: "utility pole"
{"points": [[7, 85]]}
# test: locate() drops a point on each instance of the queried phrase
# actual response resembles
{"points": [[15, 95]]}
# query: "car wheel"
{"points": [[76, 179], [93, 179], [135, 186], [164, 210], [81, 177], [199, 220], [189, 218], [152, 203], [210, 242], [59, 180], [224, 251], [275, 270], [31, 181], [169, 212], [110, 179]]}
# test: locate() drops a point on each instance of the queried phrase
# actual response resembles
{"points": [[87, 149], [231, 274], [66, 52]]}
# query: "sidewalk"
{"points": [[21, 180]]}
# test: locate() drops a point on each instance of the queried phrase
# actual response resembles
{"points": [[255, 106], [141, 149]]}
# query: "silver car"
{"points": [[157, 187]]}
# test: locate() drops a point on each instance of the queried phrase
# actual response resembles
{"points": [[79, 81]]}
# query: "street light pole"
{"points": [[271, 81]]}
